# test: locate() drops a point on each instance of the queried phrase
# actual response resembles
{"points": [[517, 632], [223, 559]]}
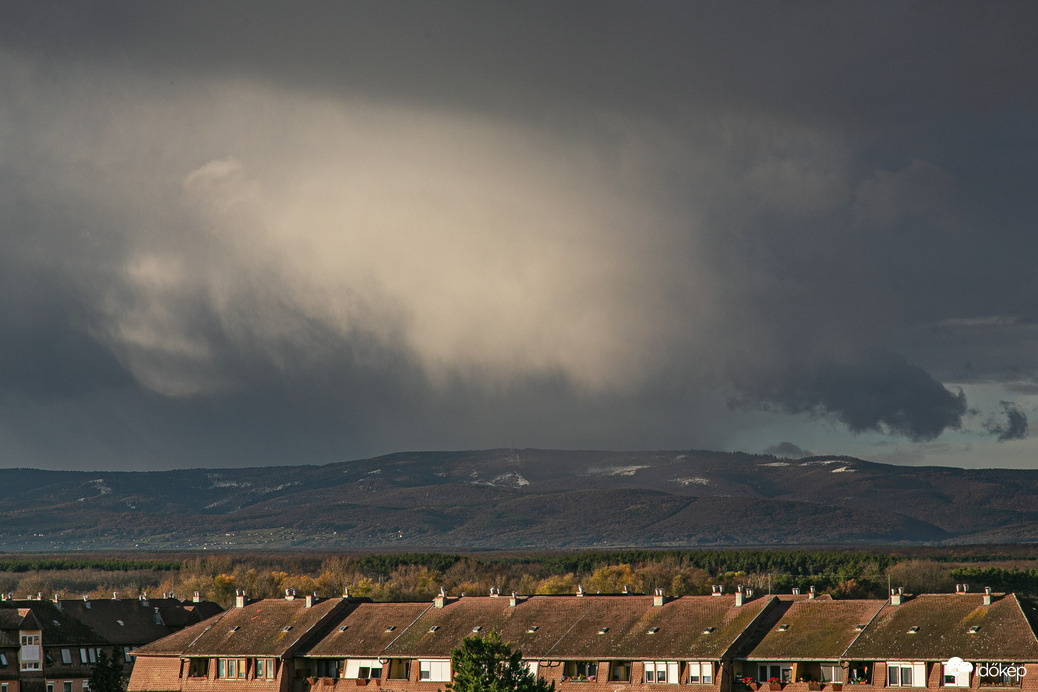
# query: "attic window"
{"points": [[3, 659], [783, 627], [390, 628], [533, 628], [286, 628], [859, 628], [603, 630], [121, 623], [974, 629], [913, 629], [235, 628], [708, 630], [434, 628], [653, 630], [477, 628], [344, 628]]}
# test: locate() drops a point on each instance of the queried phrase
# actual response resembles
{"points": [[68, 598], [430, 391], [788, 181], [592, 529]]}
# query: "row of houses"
{"points": [[52, 645], [717, 643]]}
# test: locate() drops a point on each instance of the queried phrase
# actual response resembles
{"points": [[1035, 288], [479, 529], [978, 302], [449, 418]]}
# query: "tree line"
{"points": [[419, 576]]}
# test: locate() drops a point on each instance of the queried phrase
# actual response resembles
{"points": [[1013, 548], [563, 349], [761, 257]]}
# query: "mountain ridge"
{"points": [[520, 499]]}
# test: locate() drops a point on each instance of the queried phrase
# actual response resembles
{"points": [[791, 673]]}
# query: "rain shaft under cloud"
{"points": [[245, 234]]}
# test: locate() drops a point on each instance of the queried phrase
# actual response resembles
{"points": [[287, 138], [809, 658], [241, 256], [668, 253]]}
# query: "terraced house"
{"points": [[718, 643], [52, 645]]}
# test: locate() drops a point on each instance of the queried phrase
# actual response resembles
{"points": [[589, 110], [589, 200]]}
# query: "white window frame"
{"points": [[362, 669], [670, 670], [702, 671], [835, 673], [916, 673], [66, 686], [959, 679], [434, 669]]}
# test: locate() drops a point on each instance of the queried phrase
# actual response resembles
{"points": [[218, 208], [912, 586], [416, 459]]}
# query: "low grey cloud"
{"points": [[1014, 427], [360, 229], [786, 450]]}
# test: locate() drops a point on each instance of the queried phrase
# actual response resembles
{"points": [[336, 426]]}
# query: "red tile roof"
{"points": [[271, 627], [369, 629], [813, 630], [568, 627], [944, 621]]}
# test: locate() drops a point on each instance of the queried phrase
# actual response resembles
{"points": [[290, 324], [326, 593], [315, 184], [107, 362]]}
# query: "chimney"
{"points": [[239, 599], [290, 594], [658, 598], [86, 601], [580, 589], [494, 592], [311, 598], [749, 593], [441, 598], [796, 590], [811, 593], [115, 595], [626, 590], [987, 595], [895, 596], [513, 600], [738, 596], [197, 598], [143, 598], [345, 592], [57, 603], [717, 590], [158, 617]]}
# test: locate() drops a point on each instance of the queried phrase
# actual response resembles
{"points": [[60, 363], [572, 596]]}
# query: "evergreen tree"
{"points": [[107, 675], [487, 664]]}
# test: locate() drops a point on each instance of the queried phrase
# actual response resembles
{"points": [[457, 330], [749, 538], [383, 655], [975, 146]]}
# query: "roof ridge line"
{"points": [[403, 631], [575, 623], [207, 628], [858, 635], [1020, 607], [772, 598]]}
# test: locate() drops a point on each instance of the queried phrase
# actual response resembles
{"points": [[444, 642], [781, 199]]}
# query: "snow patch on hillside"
{"points": [[100, 486], [509, 479], [615, 470], [692, 480]]}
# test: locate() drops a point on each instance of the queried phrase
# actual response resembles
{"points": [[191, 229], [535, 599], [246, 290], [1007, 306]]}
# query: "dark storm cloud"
{"points": [[359, 228], [1014, 427], [881, 392]]}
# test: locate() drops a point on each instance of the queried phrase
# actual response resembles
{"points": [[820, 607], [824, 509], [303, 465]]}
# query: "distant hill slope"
{"points": [[507, 498]]}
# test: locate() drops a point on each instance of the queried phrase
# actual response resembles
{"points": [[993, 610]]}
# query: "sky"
{"points": [[249, 233]]}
